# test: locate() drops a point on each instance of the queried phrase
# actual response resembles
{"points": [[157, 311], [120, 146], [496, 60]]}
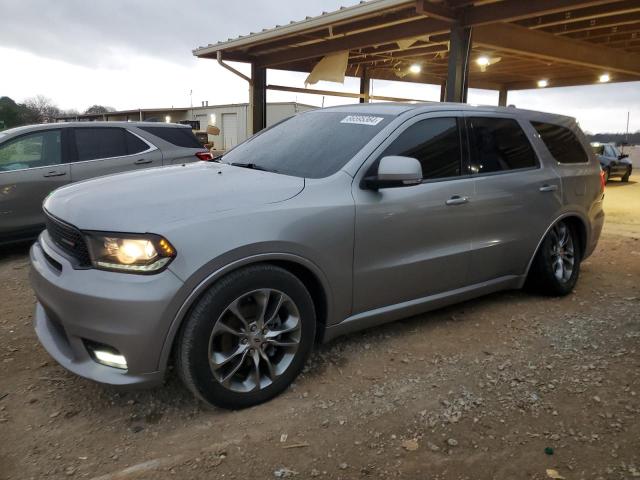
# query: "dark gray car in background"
{"points": [[613, 162], [37, 159], [329, 222]]}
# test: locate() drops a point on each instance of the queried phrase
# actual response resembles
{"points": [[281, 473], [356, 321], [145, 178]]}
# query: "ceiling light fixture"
{"points": [[484, 61], [604, 78], [543, 83], [415, 68]]}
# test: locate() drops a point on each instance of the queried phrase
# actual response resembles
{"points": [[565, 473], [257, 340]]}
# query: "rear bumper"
{"points": [[130, 313], [597, 223]]}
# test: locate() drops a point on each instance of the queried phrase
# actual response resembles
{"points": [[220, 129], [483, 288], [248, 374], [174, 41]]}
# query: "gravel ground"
{"points": [[508, 386]]}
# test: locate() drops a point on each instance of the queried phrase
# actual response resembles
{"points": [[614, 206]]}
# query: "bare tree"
{"points": [[41, 109], [99, 109]]}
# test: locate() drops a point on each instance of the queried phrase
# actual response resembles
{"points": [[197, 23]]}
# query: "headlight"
{"points": [[129, 253]]}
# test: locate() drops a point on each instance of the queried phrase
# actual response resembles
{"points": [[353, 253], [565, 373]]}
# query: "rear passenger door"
{"points": [[516, 196], [101, 151]]}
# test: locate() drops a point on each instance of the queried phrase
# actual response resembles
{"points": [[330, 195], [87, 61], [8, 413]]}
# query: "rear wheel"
{"points": [[625, 177], [247, 337], [556, 266]]}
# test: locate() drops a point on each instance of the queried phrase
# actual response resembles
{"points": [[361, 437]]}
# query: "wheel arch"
{"points": [[577, 222], [306, 271]]}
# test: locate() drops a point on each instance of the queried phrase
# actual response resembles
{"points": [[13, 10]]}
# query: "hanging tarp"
{"points": [[330, 69]]}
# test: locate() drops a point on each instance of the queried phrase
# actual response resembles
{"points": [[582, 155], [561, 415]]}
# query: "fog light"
{"points": [[110, 359], [106, 355]]}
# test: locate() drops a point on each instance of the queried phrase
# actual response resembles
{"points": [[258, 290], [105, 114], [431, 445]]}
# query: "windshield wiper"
{"points": [[252, 166]]}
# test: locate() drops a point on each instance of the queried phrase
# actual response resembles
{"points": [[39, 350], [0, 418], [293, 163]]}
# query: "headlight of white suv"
{"points": [[146, 253]]}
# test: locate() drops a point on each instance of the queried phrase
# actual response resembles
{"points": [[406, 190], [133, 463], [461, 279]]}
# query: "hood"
{"points": [[144, 200]]}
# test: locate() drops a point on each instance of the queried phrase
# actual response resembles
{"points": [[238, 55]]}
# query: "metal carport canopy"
{"points": [[561, 42]]}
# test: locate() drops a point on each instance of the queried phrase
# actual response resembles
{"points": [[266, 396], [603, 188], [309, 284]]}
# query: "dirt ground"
{"points": [[510, 386]]}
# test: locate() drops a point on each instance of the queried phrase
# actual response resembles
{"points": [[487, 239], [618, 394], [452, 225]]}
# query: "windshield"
{"points": [[312, 145]]}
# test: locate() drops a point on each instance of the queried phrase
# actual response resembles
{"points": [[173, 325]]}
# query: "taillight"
{"points": [[603, 180], [204, 156]]}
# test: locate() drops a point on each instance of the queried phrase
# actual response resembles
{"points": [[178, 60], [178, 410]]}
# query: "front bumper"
{"points": [[131, 313]]}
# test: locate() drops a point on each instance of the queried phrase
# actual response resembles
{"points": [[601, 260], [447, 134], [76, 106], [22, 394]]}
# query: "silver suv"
{"points": [[332, 221], [37, 159]]}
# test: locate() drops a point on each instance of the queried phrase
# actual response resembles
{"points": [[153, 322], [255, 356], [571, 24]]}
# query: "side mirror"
{"points": [[624, 155], [395, 171]]}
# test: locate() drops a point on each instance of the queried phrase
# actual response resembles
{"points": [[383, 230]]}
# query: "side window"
{"points": [[134, 144], [562, 143], [499, 144], [33, 150], [100, 142], [609, 151], [435, 143], [178, 136]]}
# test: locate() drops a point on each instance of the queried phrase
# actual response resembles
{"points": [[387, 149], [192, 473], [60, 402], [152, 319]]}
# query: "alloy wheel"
{"points": [[254, 340], [562, 252]]}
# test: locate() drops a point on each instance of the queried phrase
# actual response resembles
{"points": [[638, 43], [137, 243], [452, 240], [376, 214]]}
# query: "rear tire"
{"points": [[556, 266], [247, 337]]}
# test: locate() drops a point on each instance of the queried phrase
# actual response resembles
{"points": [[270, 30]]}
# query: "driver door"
{"points": [[31, 167], [414, 241]]}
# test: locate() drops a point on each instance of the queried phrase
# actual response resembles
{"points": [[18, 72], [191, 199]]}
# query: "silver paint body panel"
{"points": [[377, 255]]}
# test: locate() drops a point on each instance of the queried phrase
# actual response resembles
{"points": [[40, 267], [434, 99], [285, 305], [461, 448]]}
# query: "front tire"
{"points": [[247, 338], [625, 177], [556, 266]]}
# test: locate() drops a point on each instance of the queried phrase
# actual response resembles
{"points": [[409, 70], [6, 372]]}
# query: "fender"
{"points": [[564, 215], [220, 272]]}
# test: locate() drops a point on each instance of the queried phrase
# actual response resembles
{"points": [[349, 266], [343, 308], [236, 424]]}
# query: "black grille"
{"points": [[69, 239]]}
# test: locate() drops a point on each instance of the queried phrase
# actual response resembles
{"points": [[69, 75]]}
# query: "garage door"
{"points": [[230, 130]]}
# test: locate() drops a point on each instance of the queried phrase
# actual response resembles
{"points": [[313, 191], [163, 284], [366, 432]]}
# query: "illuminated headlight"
{"points": [[130, 253]]}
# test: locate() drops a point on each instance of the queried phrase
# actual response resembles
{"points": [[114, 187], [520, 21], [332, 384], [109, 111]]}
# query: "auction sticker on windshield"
{"points": [[362, 120]]}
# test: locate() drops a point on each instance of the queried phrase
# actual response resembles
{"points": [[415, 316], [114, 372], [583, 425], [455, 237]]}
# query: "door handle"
{"points": [[142, 161], [54, 173], [548, 188], [457, 200]]}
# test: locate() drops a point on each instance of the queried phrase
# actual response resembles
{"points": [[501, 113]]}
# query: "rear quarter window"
{"points": [[180, 137], [561, 142]]}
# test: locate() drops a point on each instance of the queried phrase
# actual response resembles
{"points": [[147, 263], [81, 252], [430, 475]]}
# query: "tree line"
{"points": [[38, 109], [617, 138]]}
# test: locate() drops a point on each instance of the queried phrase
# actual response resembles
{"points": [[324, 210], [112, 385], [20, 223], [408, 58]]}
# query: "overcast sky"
{"points": [[137, 54]]}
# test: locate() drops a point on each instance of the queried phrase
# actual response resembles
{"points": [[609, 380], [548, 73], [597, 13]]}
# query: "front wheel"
{"points": [[625, 177], [247, 337], [556, 266]]}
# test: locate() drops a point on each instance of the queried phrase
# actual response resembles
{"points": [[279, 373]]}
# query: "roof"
{"points": [[54, 125], [566, 42], [398, 108]]}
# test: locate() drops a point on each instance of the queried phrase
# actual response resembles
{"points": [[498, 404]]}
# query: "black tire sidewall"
{"points": [[548, 281], [625, 177], [209, 308]]}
